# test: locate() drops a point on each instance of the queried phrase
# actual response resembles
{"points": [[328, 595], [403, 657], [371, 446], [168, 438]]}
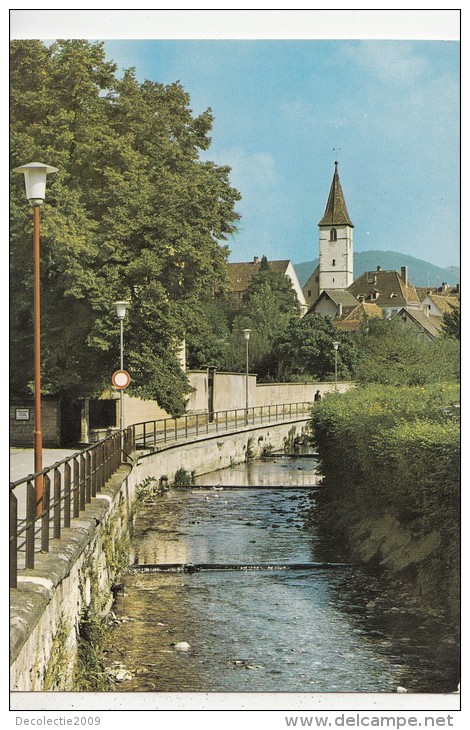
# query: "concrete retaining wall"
{"points": [[268, 394], [78, 573]]}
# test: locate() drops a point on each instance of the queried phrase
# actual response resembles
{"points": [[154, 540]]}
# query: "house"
{"points": [[353, 317], [389, 290], [437, 305], [428, 324], [347, 313], [332, 302], [240, 275]]}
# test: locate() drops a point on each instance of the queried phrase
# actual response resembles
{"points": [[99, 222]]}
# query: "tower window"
{"points": [[333, 263], [333, 235]]}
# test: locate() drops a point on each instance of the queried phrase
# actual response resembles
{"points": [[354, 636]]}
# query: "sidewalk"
{"points": [[22, 460]]}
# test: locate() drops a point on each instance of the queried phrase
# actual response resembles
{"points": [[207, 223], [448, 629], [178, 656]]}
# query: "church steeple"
{"points": [[336, 213], [336, 241]]}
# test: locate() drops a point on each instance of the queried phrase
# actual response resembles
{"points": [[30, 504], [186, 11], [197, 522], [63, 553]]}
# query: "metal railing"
{"points": [[69, 485], [149, 434]]}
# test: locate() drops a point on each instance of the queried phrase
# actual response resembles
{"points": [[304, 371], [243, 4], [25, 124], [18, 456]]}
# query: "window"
{"points": [[309, 293], [333, 263], [333, 235]]}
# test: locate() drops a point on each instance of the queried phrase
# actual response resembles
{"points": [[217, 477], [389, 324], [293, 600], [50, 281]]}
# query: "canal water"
{"points": [[293, 617]]}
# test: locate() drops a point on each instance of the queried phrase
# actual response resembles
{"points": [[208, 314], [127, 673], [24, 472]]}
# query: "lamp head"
{"points": [[35, 174], [335, 345], [247, 333], [121, 309]]}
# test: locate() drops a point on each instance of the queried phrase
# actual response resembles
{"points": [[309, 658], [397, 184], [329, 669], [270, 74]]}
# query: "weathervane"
{"points": [[336, 149]]}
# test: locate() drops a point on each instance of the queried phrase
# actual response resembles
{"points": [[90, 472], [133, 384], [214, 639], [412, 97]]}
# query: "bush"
{"points": [[183, 478], [390, 450]]}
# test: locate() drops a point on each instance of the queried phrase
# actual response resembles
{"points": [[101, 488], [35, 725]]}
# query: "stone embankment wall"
{"points": [[74, 581]]}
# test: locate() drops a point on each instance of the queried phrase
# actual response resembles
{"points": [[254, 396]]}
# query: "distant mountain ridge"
{"points": [[420, 273]]}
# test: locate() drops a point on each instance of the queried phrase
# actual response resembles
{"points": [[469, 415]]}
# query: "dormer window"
{"points": [[393, 295], [333, 234]]}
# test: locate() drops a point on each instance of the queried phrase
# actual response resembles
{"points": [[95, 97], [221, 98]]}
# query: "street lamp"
{"points": [[35, 174], [335, 347], [121, 313], [246, 335]]}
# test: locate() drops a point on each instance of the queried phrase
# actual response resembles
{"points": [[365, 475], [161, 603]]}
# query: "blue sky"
{"points": [[286, 108]]}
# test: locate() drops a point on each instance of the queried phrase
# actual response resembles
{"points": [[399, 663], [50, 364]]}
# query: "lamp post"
{"points": [[35, 174], [335, 347], [246, 335], [121, 313]]}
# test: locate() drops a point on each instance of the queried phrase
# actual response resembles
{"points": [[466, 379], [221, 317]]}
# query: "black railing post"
{"points": [[57, 502], [76, 487], [30, 523], [88, 477], [67, 493], [82, 482], [45, 514], [93, 473], [13, 539]]}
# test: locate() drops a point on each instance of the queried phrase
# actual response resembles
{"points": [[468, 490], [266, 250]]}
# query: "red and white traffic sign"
{"points": [[121, 379]]}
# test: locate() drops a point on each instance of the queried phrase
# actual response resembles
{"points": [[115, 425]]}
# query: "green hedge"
{"points": [[386, 450]]}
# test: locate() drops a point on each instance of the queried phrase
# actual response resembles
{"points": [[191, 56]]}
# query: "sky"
{"points": [[285, 108]]}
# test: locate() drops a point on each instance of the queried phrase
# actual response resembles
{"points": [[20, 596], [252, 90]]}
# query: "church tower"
{"points": [[336, 241]]}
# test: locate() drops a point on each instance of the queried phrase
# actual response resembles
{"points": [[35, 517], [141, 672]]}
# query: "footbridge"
{"points": [[68, 546]]}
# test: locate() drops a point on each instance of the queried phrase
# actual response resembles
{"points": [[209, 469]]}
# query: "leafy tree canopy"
{"points": [[132, 214], [306, 348], [451, 323], [391, 353]]}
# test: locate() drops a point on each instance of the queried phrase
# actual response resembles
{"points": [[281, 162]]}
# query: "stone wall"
{"points": [[22, 422]]}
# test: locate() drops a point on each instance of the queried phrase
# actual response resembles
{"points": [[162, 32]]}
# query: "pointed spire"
{"points": [[336, 213]]}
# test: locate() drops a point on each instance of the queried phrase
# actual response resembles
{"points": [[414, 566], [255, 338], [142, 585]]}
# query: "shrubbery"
{"points": [[392, 451]]}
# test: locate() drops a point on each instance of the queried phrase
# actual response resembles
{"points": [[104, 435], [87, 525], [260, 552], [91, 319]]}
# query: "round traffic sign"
{"points": [[121, 379]]}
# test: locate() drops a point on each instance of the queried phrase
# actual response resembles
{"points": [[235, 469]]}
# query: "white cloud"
{"points": [[251, 173], [397, 63]]}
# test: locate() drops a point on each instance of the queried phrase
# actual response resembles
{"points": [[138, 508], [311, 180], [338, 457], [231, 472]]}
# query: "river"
{"points": [[294, 617]]}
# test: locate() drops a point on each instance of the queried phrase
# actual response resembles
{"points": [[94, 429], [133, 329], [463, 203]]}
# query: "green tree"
{"points": [[391, 353], [306, 349], [451, 323], [267, 307], [133, 214]]}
